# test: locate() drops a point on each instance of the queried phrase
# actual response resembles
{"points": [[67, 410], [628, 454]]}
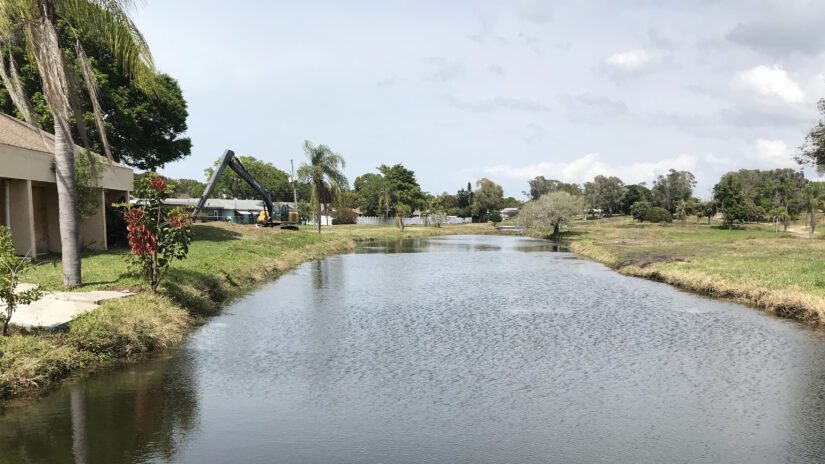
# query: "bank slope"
{"points": [[774, 271], [225, 261]]}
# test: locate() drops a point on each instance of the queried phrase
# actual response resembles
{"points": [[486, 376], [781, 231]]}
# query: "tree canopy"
{"points": [[540, 186], [368, 189], [145, 128], [759, 193], [488, 197], [669, 190], [402, 189], [812, 150], [732, 202], [550, 212], [605, 193], [634, 193]]}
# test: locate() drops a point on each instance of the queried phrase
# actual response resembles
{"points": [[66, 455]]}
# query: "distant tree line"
{"points": [[747, 195]]}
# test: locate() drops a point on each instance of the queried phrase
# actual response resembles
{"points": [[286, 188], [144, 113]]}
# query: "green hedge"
{"points": [[656, 214]]}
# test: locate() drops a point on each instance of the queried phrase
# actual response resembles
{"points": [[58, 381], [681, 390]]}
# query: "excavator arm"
{"points": [[229, 159]]}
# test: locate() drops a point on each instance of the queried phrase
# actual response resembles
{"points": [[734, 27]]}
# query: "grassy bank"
{"points": [[782, 273], [224, 262]]}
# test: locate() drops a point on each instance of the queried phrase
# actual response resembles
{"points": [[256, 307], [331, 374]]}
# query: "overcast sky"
{"points": [[460, 90]]}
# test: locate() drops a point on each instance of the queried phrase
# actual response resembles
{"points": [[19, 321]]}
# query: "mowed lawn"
{"points": [[217, 249]]}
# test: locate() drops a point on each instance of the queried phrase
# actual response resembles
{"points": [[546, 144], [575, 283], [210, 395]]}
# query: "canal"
{"points": [[468, 349]]}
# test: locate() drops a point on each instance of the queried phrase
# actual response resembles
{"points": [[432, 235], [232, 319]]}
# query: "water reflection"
{"points": [[134, 415], [461, 243]]}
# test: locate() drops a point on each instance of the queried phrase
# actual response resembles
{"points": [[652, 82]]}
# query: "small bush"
{"points": [[345, 216], [656, 214], [494, 217]]}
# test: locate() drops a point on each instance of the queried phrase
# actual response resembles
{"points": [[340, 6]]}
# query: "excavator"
{"points": [[268, 217]]}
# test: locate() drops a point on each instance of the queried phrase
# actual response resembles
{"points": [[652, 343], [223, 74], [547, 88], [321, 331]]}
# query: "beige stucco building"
{"points": [[28, 193]]}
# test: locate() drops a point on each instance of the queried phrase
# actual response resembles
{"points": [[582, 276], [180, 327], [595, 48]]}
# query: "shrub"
{"points": [[494, 217], [345, 216], [639, 209], [157, 235], [11, 268], [657, 214]]}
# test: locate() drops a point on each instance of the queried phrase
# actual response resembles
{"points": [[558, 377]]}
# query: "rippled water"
{"points": [[452, 350]]}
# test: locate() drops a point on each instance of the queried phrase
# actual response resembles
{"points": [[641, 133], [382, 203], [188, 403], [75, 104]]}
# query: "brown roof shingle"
{"points": [[17, 133]]}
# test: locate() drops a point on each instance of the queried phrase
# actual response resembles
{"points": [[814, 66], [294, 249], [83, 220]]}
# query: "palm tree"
{"points": [[385, 198], [33, 22], [323, 173], [814, 193]]}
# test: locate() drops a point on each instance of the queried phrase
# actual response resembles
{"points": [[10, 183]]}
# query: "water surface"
{"points": [[452, 350]]}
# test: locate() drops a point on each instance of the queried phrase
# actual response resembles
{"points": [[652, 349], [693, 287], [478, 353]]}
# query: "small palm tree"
{"points": [[385, 198], [814, 194], [323, 172], [33, 22]]}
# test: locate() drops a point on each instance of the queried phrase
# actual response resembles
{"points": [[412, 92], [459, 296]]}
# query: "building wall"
{"points": [[3, 210], [21, 163], [93, 228], [32, 196], [40, 208], [21, 215]]}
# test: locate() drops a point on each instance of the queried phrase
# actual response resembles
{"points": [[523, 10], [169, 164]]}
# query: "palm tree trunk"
{"points": [[813, 224], [67, 205], [320, 212]]}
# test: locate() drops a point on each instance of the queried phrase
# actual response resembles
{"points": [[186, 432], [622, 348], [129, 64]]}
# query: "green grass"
{"points": [[224, 262], [781, 272]]}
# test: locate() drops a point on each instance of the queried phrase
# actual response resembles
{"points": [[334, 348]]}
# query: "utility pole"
{"points": [[294, 188]]}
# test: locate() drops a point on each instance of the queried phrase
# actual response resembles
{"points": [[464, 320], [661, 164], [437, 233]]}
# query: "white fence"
{"points": [[325, 221]]}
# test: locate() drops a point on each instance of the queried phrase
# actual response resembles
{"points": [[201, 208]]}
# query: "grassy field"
{"points": [[225, 261], [780, 272]]}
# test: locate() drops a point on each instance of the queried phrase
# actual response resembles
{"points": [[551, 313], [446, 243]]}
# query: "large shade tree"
{"points": [[812, 150], [231, 185], [671, 189], [400, 193], [541, 186], [550, 212], [32, 22], [489, 197], [605, 193], [324, 172]]}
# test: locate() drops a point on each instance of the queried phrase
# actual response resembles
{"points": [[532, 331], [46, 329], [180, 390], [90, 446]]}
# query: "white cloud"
{"points": [[588, 166], [769, 83], [633, 60], [773, 153]]}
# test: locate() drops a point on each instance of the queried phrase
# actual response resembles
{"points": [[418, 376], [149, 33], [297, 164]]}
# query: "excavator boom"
{"points": [[229, 159]]}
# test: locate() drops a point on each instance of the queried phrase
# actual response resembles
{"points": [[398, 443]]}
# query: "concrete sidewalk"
{"points": [[58, 308]]}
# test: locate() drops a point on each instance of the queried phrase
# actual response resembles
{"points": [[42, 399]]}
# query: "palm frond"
{"points": [[42, 40], [11, 81], [108, 21], [91, 86], [13, 13], [76, 105]]}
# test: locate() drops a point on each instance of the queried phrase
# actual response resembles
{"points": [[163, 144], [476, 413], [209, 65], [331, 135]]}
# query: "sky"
{"points": [[461, 90]]}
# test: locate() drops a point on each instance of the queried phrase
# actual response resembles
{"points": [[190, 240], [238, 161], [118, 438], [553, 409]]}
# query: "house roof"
{"points": [[17, 133]]}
